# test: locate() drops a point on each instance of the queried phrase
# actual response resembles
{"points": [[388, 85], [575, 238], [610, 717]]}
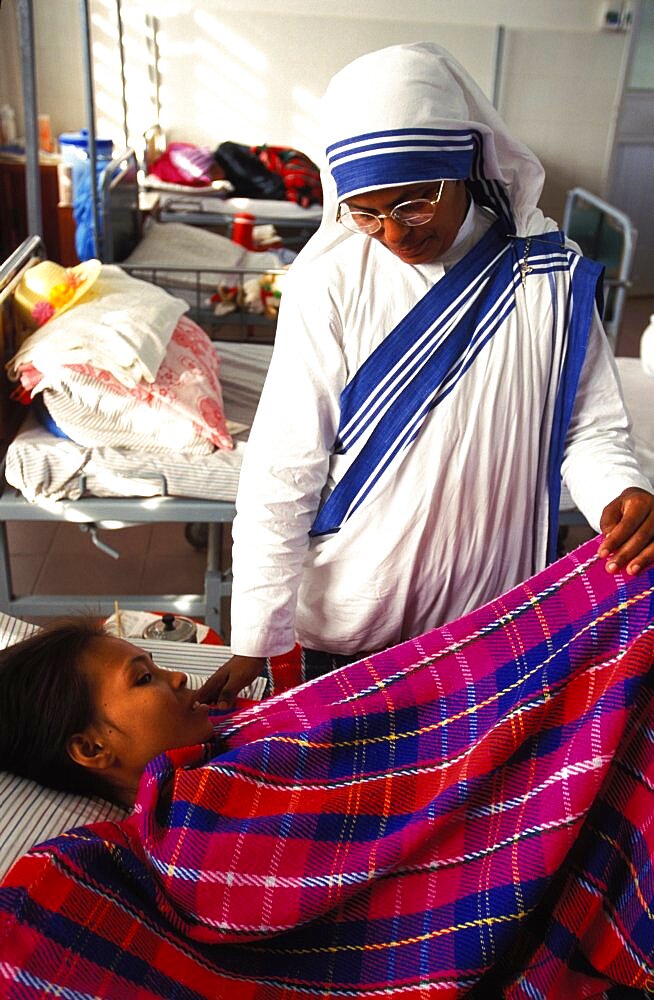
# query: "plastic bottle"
{"points": [[74, 148], [7, 125], [45, 134]]}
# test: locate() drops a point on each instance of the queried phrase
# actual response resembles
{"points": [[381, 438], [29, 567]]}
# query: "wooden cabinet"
{"points": [[58, 225]]}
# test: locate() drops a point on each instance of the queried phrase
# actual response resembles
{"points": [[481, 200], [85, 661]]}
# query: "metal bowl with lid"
{"points": [[172, 628]]}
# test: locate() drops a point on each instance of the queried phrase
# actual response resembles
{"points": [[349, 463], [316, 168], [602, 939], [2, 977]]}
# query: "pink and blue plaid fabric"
{"points": [[469, 813]]}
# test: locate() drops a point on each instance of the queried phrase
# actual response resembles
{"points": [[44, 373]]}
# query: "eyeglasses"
{"points": [[408, 213]]}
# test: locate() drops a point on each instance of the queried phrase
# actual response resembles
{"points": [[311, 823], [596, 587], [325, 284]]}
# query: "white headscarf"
{"points": [[411, 113]]}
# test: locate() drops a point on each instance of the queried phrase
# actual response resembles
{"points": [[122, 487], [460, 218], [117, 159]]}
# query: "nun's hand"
{"points": [[223, 686], [627, 524]]}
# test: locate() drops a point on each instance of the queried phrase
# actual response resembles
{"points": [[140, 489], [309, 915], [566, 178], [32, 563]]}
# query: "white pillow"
{"points": [[30, 813], [123, 326]]}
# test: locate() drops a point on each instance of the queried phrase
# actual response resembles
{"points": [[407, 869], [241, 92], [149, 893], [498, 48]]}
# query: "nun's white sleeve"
{"points": [[285, 468], [599, 461]]}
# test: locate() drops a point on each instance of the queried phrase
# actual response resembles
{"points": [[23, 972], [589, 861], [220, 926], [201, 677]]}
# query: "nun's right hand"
{"points": [[222, 687]]}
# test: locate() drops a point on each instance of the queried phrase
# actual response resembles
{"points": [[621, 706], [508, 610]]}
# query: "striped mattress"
{"points": [[43, 466]]}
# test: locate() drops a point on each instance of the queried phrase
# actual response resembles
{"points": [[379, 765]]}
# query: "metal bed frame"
{"points": [[604, 234], [117, 225]]}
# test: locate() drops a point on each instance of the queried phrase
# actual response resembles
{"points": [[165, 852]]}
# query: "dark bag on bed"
{"points": [[248, 175]]}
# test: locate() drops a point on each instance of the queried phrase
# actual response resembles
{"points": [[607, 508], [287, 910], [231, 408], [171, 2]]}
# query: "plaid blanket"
{"points": [[469, 813]]}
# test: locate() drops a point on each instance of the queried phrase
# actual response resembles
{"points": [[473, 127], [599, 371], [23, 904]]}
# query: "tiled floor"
{"points": [[59, 558], [48, 558]]}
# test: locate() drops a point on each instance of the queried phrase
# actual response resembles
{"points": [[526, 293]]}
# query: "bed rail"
{"points": [[605, 234], [121, 217], [221, 299]]}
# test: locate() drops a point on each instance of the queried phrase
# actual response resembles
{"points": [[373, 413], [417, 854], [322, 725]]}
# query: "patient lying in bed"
{"points": [[104, 710], [467, 811]]}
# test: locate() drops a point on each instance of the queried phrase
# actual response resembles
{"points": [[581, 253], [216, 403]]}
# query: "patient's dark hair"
{"points": [[45, 698]]}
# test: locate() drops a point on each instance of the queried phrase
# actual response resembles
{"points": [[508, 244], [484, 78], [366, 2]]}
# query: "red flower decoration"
{"points": [[42, 312]]}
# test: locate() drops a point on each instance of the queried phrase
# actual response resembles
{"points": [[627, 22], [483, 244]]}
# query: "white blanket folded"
{"points": [[123, 328]]}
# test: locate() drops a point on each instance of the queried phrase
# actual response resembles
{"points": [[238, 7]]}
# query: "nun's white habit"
{"points": [[404, 464]]}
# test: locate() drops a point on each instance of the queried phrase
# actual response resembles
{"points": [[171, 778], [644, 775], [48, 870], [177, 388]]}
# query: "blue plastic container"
{"points": [[74, 148]]}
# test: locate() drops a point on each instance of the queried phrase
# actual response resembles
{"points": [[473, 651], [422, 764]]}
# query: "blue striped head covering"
{"points": [[411, 113]]}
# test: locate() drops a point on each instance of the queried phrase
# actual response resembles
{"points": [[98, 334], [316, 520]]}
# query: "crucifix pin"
{"points": [[525, 268]]}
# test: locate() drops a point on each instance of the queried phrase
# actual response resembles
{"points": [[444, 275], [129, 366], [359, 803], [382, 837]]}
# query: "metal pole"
{"points": [[121, 48], [87, 58], [32, 174], [497, 65]]}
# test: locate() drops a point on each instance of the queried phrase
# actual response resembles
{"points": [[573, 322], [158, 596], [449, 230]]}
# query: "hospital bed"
{"points": [[211, 208], [140, 488], [605, 234], [187, 261]]}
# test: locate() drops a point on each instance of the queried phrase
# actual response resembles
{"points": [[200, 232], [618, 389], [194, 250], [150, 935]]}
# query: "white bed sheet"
{"points": [[264, 210], [46, 468], [219, 189], [176, 245]]}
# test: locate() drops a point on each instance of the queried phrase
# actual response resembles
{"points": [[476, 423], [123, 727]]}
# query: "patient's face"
{"points": [[141, 709]]}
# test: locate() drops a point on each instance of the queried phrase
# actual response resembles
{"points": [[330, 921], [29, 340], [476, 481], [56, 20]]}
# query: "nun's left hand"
{"points": [[627, 524]]}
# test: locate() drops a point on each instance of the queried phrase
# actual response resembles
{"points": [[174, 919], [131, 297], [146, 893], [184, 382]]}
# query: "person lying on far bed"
{"points": [[465, 814]]}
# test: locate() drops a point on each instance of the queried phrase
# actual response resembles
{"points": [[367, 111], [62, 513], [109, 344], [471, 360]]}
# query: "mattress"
{"points": [[45, 467], [168, 247], [264, 210]]}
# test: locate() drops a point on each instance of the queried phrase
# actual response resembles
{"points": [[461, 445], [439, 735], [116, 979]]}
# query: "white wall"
{"points": [[560, 94], [58, 53], [231, 71], [261, 81]]}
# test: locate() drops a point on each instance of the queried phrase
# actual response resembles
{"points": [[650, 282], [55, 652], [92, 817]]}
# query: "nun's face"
{"points": [[416, 244]]}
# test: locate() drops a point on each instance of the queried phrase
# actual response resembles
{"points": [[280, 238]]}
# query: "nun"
{"points": [[439, 367]]}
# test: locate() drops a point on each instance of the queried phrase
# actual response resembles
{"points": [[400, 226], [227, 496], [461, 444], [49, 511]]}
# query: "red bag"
{"points": [[300, 175]]}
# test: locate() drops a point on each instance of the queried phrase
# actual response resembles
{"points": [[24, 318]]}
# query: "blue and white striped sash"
{"points": [[584, 292], [421, 361]]}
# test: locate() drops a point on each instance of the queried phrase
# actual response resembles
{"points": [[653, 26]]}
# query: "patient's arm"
{"points": [[223, 686]]}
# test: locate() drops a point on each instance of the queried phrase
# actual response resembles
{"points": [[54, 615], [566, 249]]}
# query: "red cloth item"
{"points": [[285, 671], [300, 175], [184, 163]]}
